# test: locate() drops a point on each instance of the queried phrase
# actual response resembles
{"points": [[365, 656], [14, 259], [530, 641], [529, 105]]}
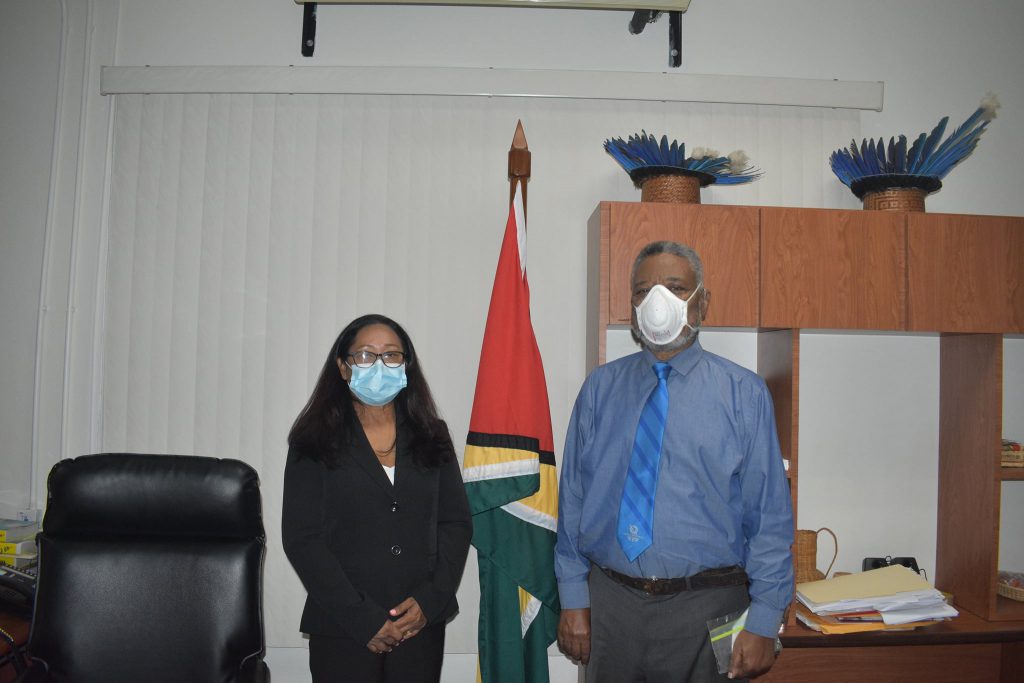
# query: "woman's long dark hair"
{"points": [[325, 424]]}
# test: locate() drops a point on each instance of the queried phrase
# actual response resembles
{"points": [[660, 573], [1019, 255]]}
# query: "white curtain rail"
{"points": [[476, 82]]}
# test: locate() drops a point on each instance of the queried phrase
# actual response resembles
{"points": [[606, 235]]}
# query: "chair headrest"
{"points": [[130, 494]]}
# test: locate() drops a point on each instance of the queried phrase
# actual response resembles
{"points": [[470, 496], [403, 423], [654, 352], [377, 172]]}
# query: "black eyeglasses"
{"points": [[364, 359]]}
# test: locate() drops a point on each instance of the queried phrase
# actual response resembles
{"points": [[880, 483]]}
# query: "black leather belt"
{"points": [[709, 578]]}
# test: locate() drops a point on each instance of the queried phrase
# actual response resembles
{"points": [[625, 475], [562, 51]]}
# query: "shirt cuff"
{"points": [[574, 595], [762, 620]]}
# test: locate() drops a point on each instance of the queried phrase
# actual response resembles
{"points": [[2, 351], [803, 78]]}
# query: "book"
{"points": [[17, 548], [12, 531], [19, 561]]}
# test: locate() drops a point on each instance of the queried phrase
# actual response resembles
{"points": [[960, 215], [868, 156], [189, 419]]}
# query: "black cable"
{"points": [[16, 655]]}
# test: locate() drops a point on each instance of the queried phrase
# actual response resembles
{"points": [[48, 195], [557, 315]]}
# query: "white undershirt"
{"points": [[390, 471]]}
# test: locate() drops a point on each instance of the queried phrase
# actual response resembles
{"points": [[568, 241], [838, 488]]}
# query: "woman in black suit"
{"points": [[375, 518]]}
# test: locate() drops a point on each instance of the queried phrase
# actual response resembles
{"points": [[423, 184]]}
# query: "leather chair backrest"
{"points": [[150, 569]]}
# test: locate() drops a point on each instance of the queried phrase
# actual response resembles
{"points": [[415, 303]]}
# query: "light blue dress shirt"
{"points": [[722, 497]]}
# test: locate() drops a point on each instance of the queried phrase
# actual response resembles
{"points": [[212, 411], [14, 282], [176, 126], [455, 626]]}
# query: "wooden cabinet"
{"points": [[832, 269], [778, 361], [726, 237], [967, 649], [970, 478], [965, 273], [962, 276]]}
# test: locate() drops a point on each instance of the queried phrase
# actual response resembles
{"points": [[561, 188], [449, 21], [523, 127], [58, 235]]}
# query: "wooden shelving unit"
{"points": [[832, 269], [778, 270]]}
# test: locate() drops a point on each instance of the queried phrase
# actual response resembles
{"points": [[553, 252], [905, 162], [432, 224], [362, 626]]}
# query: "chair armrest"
{"points": [[254, 671]]}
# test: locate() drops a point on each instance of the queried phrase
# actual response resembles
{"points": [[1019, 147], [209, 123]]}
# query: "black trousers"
{"points": [[342, 660], [640, 638]]}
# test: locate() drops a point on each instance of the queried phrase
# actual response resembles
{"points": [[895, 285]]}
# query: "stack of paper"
{"points": [[880, 599], [17, 543]]}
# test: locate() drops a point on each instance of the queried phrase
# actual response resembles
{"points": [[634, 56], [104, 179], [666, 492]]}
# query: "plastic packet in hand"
{"points": [[723, 632]]}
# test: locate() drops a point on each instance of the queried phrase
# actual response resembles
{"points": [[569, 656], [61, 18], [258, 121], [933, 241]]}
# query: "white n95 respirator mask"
{"points": [[662, 315]]}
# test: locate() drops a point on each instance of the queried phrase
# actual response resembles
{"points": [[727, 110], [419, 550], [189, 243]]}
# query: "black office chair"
{"points": [[150, 570]]}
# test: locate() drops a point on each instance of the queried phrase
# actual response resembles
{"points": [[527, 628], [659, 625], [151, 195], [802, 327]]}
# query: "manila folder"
{"points": [[870, 584]]}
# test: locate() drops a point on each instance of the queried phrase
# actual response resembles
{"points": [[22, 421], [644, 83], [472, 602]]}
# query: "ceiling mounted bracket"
{"points": [[675, 39], [642, 17], [308, 28]]}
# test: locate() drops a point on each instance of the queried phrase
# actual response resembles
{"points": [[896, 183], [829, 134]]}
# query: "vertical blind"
{"points": [[246, 230]]}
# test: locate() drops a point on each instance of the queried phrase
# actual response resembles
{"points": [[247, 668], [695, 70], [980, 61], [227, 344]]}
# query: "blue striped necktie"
{"points": [[636, 511]]}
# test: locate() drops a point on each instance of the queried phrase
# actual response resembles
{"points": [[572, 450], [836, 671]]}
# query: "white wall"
{"points": [[936, 58], [29, 62]]}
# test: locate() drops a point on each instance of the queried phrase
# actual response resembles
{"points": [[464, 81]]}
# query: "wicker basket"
{"points": [[1011, 592], [674, 189], [806, 550], [895, 199], [894, 191]]}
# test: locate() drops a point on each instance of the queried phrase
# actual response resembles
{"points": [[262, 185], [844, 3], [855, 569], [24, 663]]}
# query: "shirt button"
{"points": [[394, 507], [396, 550]]}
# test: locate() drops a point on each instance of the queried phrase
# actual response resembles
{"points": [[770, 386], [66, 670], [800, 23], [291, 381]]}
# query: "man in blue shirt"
{"points": [[687, 521]]}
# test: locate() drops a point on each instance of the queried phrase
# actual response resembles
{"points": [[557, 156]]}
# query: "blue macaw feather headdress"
{"points": [[923, 165], [643, 157]]}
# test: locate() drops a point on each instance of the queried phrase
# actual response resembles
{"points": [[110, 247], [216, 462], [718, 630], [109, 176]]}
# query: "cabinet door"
{"points": [[965, 273], [832, 269], [725, 237]]}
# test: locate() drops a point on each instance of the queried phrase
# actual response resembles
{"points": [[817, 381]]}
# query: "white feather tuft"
{"points": [[738, 161], [989, 106]]}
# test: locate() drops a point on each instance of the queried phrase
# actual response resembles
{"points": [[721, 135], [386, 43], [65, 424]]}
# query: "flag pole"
{"points": [[509, 468], [518, 164]]}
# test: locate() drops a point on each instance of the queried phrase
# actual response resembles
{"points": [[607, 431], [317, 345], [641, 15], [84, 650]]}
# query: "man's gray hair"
{"points": [[668, 247]]}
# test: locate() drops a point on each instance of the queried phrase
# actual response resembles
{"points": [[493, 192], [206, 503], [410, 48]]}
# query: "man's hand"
{"points": [[386, 639], [752, 655], [574, 634], [409, 618]]}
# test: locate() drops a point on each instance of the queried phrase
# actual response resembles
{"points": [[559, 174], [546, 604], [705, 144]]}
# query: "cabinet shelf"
{"points": [[1011, 473], [1009, 610]]}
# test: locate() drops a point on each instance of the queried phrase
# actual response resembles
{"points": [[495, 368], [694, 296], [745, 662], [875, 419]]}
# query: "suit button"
{"points": [[394, 507], [396, 550]]}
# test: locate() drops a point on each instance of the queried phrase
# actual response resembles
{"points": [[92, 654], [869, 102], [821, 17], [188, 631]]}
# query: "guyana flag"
{"points": [[509, 470]]}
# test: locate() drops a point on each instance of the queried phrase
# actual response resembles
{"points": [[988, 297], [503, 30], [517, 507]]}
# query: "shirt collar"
{"points": [[682, 362]]}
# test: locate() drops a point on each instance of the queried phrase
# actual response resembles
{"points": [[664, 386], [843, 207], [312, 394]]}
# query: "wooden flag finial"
{"points": [[518, 162]]}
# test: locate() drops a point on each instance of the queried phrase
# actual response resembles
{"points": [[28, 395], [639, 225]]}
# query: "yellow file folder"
{"points": [[870, 584]]}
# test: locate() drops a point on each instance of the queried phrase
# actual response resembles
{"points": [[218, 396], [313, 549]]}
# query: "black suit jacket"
{"points": [[362, 545]]}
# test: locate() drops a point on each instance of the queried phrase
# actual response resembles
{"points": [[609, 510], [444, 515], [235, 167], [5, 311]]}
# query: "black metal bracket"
{"points": [[642, 17], [675, 39], [308, 28]]}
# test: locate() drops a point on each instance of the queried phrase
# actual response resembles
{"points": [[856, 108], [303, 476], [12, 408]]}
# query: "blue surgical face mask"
{"points": [[378, 384]]}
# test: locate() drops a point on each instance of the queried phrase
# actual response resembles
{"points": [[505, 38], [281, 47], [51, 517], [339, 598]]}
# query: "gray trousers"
{"points": [[640, 638]]}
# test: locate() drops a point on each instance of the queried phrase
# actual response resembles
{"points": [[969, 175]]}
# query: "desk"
{"points": [[18, 627], [966, 649]]}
